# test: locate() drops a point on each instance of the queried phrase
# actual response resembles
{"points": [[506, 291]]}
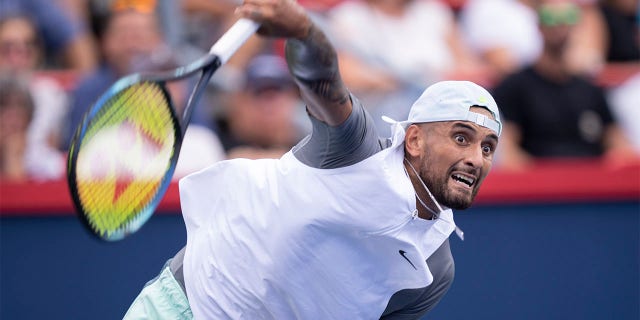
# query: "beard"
{"points": [[437, 184]]}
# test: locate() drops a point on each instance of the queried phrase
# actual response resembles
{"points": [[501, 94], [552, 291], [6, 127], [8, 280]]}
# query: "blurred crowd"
{"points": [[543, 60]]}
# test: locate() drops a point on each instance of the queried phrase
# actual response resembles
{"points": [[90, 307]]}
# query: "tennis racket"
{"points": [[125, 150]]}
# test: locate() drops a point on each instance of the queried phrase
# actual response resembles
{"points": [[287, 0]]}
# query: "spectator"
{"points": [[389, 51], [262, 119], [67, 42], [128, 35], [21, 57], [513, 39], [131, 41], [20, 47], [20, 160], [549, 112]]}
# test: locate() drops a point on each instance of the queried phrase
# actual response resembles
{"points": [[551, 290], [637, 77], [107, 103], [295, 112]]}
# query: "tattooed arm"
{"points": [[314, 64], [312, 59]]}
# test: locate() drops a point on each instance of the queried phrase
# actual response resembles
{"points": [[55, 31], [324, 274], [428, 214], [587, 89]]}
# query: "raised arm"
{"points": [[312, 59]]}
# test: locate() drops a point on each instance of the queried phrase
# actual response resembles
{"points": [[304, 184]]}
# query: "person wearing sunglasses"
{"points": [[550, 111]]}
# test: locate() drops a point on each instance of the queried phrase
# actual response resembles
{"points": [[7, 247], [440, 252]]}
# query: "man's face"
{"points": [[456, 157], [131, 35], [19, 49], [265, 116], [557, 20]]}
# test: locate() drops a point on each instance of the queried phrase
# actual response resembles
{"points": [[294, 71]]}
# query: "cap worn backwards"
{"points": [[451, 101]]}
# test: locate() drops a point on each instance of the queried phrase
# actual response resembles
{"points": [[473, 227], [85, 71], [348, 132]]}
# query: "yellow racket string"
{"points": [[124, 156]]}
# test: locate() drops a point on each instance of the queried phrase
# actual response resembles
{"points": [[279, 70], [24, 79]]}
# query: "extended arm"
{"points": [[343, 132], [312, 59]]}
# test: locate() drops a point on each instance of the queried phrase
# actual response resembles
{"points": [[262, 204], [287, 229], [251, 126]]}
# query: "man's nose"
{"points": [[473, 157]]}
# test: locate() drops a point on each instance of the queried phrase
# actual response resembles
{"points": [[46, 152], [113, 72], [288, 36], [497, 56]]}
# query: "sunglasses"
{"points": [[557, 16]]}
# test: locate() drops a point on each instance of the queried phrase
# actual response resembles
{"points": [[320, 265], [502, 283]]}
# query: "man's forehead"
{"points": [[469, 125]]}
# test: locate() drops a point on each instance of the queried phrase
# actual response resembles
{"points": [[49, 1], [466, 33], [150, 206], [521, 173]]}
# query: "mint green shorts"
{"points": [[161, 298]]}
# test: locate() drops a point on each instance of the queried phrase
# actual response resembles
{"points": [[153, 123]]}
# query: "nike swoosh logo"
{"points": [[402, 252]]}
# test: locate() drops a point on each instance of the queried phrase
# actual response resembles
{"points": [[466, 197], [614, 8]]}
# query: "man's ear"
{"points": [[413, 141]]}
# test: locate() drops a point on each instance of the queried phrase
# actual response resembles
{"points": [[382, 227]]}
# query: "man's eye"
{"points": [[487, 149], [460, 139]]}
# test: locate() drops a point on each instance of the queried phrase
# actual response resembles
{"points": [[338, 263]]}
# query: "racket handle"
{"points": [[235, 37]]}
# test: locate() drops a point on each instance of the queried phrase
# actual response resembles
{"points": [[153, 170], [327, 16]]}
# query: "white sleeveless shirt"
{"points": [[276, 239]]}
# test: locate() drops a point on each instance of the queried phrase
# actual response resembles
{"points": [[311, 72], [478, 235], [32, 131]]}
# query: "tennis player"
{"points": [[345, 225]]}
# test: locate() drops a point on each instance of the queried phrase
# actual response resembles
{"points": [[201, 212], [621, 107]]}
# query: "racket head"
{"points": [[122, 157]]}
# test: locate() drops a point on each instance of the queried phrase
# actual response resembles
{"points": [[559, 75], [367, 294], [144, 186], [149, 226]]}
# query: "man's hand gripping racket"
{"points": [[125, 150]]}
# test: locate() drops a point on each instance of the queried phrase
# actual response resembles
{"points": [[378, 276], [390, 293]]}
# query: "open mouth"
{"points": [[463, 179]]}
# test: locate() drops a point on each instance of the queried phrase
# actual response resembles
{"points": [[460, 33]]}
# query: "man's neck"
{"points": [[553, 67]]}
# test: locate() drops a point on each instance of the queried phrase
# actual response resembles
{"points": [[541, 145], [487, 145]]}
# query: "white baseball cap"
{"points": [[451, 101]]}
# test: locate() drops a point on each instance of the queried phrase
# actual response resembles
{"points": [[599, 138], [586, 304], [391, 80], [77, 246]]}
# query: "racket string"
{"points": [[115, 199]]}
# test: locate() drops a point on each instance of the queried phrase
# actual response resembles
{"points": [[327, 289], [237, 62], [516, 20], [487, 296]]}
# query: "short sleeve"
{"points": [[338, 146]]}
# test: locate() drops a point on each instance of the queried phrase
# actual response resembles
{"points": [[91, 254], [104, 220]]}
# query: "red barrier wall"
{"points": [[546, 182]]}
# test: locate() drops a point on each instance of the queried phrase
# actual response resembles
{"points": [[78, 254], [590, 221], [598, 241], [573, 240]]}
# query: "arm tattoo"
{"points": [[313, 62]]}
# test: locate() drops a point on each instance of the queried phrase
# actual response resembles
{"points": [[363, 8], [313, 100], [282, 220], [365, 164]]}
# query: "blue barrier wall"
{"points": [[546, 262], [561, 261]]}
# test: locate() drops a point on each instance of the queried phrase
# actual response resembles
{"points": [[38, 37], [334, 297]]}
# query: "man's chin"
{"points": [[458, 202], [454, 196]]}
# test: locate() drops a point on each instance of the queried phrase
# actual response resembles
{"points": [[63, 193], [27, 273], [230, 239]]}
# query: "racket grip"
{"points": [[235, 37]]}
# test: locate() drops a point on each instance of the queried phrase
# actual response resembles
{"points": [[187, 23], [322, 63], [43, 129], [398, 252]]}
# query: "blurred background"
{"points": [[555, 233]]}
